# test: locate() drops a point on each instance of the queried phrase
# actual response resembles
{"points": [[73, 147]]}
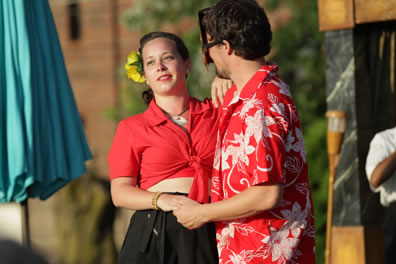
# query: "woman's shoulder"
{"points": [[205, 104], [133, 121]]}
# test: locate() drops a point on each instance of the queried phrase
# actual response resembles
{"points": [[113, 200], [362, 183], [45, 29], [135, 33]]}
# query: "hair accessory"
{"points": [[134, 67], [154, 201]]}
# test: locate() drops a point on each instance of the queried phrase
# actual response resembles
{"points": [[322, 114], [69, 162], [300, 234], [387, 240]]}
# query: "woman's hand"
{"points": [[219, 88], [168, 202]]}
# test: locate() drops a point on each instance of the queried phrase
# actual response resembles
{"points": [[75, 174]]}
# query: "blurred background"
{"points": [[79, 224]]}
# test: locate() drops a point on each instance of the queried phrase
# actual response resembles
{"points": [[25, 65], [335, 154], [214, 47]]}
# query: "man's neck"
{"points": [[243, 70]]}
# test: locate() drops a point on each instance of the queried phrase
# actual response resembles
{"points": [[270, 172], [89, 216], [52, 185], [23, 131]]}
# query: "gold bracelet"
{"points": [[154, 201]]}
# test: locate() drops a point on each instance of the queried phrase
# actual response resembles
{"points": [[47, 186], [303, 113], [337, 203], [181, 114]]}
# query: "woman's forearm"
{"points": [[124, 194]]}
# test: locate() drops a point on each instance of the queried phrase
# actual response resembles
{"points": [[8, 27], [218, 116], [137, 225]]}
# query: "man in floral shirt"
{"points": [[261, 198]]}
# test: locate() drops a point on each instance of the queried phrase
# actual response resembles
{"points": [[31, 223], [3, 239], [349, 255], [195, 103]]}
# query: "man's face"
{"points": [[217, 53], [223, 74]]}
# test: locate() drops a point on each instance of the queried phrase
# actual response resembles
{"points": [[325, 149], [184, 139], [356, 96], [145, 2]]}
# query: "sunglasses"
{"points": [[204, 41]]}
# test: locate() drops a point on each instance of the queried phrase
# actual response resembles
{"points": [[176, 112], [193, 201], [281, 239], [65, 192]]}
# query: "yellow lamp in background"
{"points": [[335, 134]]}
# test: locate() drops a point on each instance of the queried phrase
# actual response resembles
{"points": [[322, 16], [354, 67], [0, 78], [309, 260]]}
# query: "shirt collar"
{"points": [[154, 115], [251, 86], [197, 107], [255, 82]]}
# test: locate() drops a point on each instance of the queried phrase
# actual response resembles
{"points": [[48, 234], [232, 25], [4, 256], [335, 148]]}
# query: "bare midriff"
{"points": [[181, 185]]}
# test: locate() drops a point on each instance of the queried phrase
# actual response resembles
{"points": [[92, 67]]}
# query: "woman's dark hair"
{"points": [[148, 95], [243, 23]]}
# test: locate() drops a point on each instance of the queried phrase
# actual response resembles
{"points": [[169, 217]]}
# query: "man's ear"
{"points": [[227, 47]]}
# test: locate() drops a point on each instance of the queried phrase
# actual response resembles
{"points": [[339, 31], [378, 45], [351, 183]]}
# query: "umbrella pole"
{"points": [[25, 224]]}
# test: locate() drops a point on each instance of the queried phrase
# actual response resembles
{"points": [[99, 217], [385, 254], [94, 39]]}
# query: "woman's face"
{"points": [[164, 69]]}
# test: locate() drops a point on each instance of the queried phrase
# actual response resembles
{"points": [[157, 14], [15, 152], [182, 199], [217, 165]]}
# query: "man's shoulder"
{"points": [[274, 84], [274, 90], [391, 132]]}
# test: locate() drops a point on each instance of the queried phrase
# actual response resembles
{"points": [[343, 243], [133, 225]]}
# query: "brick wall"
{"points": [[92, 61]]}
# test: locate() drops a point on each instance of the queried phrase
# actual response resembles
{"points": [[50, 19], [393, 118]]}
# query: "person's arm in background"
{"points": [[383, 171]]}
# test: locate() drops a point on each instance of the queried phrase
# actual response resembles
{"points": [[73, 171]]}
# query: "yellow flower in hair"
{"points": [[134, 67]]}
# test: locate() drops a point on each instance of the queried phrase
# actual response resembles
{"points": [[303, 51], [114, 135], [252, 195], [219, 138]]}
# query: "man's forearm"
{"points": [[251, 201], [383, 171]]}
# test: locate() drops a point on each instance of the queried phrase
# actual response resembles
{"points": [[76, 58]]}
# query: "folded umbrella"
{"points": [[43, 146]]}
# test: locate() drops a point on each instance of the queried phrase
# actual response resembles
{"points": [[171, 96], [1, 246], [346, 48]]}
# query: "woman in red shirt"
{"points": [[166, 151]]}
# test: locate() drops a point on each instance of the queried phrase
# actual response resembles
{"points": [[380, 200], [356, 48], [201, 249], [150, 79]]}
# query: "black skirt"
{"points": [[156, 237]]}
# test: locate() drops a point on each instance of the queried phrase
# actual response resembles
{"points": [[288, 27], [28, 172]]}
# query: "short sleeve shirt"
{"points": [[151, 147], [381, 147], [260, 141]]}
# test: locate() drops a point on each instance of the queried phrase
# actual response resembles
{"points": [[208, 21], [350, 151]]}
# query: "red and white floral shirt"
{"points": [[260, 141]]}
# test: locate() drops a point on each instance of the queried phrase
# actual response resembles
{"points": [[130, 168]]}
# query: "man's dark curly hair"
{"points": [[243, 23]]}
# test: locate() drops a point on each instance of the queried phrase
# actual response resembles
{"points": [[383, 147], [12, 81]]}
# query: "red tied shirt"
{"points": [[260, 141], [151, 147]]}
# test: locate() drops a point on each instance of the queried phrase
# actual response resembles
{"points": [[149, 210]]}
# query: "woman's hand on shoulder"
{"points": [[219, 88]]}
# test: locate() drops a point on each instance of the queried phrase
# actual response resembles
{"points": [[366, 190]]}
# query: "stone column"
{"points": [[359, 81]]}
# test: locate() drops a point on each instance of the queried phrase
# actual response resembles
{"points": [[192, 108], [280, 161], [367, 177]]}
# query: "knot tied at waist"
{"points": [[195, 161], [199, 189]]}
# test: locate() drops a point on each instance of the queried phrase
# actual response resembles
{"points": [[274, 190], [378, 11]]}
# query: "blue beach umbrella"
{"points": [[42, 142]]}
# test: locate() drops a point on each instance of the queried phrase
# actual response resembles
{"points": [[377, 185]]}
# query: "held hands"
{"points": [[188, 213], [168, 202], [219, 88]]}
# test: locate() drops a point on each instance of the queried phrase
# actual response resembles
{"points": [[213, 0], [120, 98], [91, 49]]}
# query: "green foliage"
{"points": [[146, 16], [315, 143], [298, 50], [301, 59]]}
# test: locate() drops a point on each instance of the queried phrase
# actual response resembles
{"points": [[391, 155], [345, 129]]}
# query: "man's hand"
{"points": [[219, 88], [188, 213]]}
